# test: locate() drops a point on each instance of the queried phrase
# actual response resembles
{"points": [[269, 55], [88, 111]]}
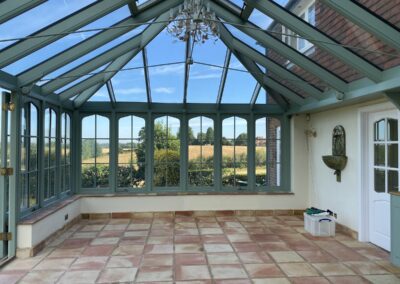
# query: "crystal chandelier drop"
{"points": [[194, 21]]}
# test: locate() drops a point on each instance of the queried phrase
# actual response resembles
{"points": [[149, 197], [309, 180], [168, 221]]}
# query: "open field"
{"points": [[194, 152]]}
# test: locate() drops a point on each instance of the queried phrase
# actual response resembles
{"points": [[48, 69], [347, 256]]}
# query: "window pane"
{"points": [[379, 180], [393, 155], [88, 127], [393, 181], [392, 129], [88, 175], [380, 130], [379, 155]]}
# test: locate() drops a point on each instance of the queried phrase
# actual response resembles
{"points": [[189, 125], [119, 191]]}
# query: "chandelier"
{"points": [[194, 21]]}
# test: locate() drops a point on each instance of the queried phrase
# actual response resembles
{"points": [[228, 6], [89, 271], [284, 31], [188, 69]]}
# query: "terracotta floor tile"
{"points": [[388, 266], [286, 256], [309, 280], [92, 228], [160, 240], [159, 249], [104, 241], [190, 259], [132, 250], [75, 243], [62, 253], [186, 225], [374, 253], [89, 263], [157, 260], [317, 256], [138, 227], [274, 246], [21, 264], [54, 264], [233, 281], [361, 267], [383, 279], [115, 227], [187, 232], [84, 235], [117, 275], [208, 225], [333, 269], [215, 239], [187, 239], [265, 238], [246, 247], [228, 271], [110, 234], [193, 272], [348, 280], [100, 250], [162, 232], [188, 248], [11, 277], [265, 270], [155, 273], [271, 281], [136, 234], [132, 241], [222, 258], [254, 257], [211, 231], [210, 248], [124, 261], [41, 277], [298, 269], [77, 277]]}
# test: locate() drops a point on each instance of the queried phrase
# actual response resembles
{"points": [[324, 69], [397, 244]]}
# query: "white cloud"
{"points": [[164, 90], [130, 91], [205, 76], [168, 69]]}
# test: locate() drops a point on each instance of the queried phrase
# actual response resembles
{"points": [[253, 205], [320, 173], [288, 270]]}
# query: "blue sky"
{"points": [[167, 82]]}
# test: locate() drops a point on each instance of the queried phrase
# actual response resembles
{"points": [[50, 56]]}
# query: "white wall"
{"points": [[325, 193]]}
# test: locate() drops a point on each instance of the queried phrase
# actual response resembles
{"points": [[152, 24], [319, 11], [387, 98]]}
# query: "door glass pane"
{"points": [[392, 129], [393, 181], [379, 180], [393, 155], [379, 155], [380, 130]]}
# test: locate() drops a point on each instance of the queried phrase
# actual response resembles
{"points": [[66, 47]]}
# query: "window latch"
{"points": [[5, 237], [6, 171]]}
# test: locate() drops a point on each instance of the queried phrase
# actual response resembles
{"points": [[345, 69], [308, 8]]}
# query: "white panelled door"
{"points": [[383, 173]]}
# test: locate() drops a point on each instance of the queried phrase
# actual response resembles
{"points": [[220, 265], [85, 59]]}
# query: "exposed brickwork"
{"points": [[349, 34]]}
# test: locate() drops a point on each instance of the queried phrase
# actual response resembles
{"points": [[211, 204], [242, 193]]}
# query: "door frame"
{"points": [[363, 122]]}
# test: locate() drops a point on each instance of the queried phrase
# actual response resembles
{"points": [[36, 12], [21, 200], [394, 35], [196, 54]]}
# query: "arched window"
{"points": [[201, 151], [50, 157], [29, 157], [166, 152], [131, 152], [234, 152], [95, 152], [268, 152], [66, 167]]}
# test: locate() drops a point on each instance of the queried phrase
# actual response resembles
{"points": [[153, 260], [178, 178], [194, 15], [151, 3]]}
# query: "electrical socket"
{"points": [[335, 215], [66, 217]]}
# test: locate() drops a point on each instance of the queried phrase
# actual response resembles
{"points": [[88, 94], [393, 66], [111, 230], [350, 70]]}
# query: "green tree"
{"points": [[210, 136], [241, 140]]}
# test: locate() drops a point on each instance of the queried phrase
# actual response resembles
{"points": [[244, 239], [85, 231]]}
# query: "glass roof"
{"points": [[166, 56]]}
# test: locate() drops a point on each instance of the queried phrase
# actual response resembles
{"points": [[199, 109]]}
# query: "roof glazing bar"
{"points": [[147, 75], [255, 95], [224, 75], [110, 90], [11, 9], [318, 38], [58, 30]]}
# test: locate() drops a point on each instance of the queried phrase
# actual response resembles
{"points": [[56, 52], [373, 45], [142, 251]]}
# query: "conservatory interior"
{"points": [[181, 141]]}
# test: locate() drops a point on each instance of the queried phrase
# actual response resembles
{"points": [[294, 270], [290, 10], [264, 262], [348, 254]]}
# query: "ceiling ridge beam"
{"points": [[11, 9], [367, 20], [281, 48], [61, 59], [57, 30], [224, 75], [318, 38], [276, 68], [146, 36]]}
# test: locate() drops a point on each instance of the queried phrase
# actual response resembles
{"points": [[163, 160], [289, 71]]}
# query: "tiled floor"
{"points": [[201, 250]]}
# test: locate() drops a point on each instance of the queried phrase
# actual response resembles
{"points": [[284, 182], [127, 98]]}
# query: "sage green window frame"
{"points": [[111, 164], [25, 138], [189, 187], [218, 117], [248, 151], [131, 189], [50, 167], [66, 154], [182, 161]]}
